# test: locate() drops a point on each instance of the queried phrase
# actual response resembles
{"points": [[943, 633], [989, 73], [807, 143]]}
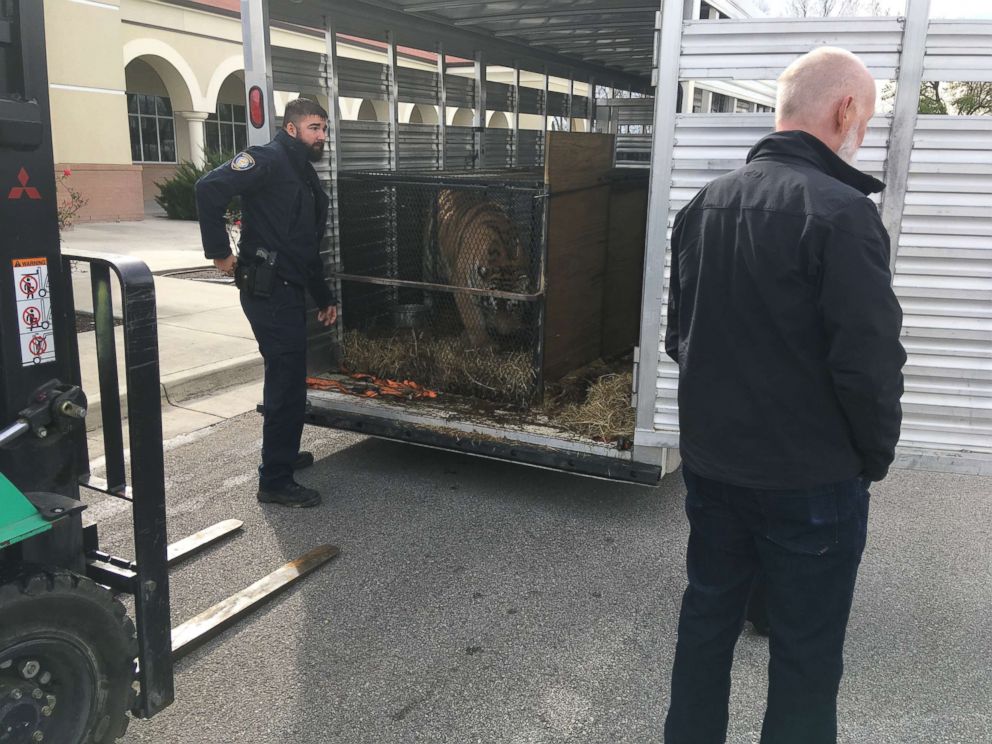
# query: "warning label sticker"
{"points": [[34, 310]]}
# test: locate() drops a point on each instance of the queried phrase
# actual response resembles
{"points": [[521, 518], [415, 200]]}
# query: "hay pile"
{"points": [[605, 414], [593, 402], [443, 364]]}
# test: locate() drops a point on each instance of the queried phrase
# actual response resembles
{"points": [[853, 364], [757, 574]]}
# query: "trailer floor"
{"points": [[470, 415], [481, 601]]}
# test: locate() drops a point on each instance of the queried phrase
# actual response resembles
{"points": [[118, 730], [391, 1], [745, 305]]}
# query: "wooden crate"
{"points": [[595, 252]]}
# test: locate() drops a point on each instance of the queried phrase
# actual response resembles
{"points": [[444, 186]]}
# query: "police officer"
{"points": [[284, 211]]}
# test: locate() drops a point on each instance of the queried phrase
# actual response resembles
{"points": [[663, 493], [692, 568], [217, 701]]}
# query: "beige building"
{"points": [[139, 86]]}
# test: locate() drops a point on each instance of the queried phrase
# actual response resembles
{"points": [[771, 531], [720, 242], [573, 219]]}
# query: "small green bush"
{"points": [[177, 195]]}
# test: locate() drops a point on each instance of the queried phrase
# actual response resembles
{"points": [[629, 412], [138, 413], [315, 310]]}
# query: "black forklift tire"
{"points": [[79, 646]]}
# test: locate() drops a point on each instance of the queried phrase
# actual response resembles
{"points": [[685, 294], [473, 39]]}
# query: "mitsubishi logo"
{"points": [[18, 191]]}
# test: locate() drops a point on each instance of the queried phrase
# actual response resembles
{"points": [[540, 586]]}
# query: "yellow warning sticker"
{"points": [[34, 310]]}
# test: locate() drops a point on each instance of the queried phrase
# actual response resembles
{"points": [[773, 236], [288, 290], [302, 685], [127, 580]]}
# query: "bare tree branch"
{"points": [[828, 8]]}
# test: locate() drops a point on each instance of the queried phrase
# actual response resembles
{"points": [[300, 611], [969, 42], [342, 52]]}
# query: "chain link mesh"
{"points": [[442, 279]]}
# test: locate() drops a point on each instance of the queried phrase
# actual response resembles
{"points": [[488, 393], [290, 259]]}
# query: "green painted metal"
{"points": [[19, 520]]}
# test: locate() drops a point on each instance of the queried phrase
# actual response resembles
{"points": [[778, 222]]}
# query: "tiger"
{"points": [[478, 246]]}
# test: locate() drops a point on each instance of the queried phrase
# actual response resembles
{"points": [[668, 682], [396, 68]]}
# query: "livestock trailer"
{"points": [[636, 108]]}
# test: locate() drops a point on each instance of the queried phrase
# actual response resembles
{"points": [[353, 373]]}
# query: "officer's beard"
{"points": [[316, 152]]}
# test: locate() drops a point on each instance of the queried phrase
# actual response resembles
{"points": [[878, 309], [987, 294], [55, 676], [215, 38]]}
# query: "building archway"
{"points": [[371, 110], [152, 99], [234, 64], [498, 120], [174, 71], [226, 128], [159, 137], [423, 114], [349, 107], [463, 117]]}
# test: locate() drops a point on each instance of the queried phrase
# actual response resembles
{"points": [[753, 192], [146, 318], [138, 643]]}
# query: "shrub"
{"points": [[71, 204], [177, 195]]}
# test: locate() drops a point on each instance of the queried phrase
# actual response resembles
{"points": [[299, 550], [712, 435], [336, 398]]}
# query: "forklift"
{"points": [[74, 666]]}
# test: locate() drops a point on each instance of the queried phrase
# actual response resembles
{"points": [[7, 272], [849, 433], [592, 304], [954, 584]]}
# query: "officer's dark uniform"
{"points": [[283, 209]]}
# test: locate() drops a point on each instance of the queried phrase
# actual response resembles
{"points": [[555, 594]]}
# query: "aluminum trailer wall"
{"points": [[937, 207]]}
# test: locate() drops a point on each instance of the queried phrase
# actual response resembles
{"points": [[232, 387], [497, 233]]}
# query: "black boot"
{"points": [[303, 460], [291, 494]]}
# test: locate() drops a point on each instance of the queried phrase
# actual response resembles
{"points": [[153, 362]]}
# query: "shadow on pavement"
{"points": [[477, 600], [482, 601]]}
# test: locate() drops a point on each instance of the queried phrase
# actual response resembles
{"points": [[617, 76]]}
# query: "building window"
{"points": [[707, 12], [697, 101], [227, 130], [743, 107], [721, 104], [764, 109], [635, 129], [153, 130]]}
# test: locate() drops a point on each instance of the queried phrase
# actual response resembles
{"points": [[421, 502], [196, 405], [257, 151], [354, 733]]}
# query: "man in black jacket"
{"points": [[786, 330], [284, 213]]}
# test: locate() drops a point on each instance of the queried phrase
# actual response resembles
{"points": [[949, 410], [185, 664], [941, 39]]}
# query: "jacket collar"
{"points": [[798, 145], [296, 150]]}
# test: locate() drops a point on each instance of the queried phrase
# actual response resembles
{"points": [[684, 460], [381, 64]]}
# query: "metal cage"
{"points": [[442, 279]]}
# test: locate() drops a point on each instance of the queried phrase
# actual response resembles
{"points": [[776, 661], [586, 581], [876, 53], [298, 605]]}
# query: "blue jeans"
{"points": [[808, 545], [279, 323]]}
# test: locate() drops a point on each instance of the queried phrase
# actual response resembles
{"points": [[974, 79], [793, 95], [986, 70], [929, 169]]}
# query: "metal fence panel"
{"points": [[499, 96], [460, 148], [364, 145], [418, 147], [530, 147], [634, 116], [580, 107], [296, 70], [944, 282], [417, 86], [557, 103], [759, 49], [633, 150], [361, 79], [499, 148], [958, 50], [531, 100], [633, 123], [459, 90]]}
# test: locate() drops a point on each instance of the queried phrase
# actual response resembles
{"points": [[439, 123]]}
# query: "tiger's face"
{"points": [[478, 246], [502, 267]]}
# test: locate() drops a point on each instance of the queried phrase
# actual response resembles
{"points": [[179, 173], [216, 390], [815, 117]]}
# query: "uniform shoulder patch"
{"points": [[242, 162]]}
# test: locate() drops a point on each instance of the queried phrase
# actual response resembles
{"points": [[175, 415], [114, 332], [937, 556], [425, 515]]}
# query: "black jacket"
{"points": [[283, 207], [784, 324]]}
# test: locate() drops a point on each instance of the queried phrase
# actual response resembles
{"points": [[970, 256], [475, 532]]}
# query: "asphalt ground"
{"points": [[481, 601]]}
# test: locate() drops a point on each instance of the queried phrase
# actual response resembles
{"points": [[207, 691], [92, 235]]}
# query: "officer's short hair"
{"points": [[300, 108]]}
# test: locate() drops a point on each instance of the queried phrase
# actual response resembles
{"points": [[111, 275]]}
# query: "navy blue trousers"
{"points": [[280, 327], [808, 545]]}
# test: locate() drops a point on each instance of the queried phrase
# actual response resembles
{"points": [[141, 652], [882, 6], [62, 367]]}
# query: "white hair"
{"points": [[811, 87]]}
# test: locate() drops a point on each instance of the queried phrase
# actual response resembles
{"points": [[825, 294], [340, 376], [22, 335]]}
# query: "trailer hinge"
{"points": [[657, 49], [637, 369]]}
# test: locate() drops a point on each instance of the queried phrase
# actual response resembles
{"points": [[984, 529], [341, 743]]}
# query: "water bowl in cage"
{"points": [[409, 316]]}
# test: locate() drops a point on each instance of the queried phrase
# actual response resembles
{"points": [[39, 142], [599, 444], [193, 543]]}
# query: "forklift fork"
{"points": [[147, 576]]}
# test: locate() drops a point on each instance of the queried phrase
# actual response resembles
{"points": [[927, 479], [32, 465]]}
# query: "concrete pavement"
{"points": [[482, 602], [205, 343], [161, 243]]}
